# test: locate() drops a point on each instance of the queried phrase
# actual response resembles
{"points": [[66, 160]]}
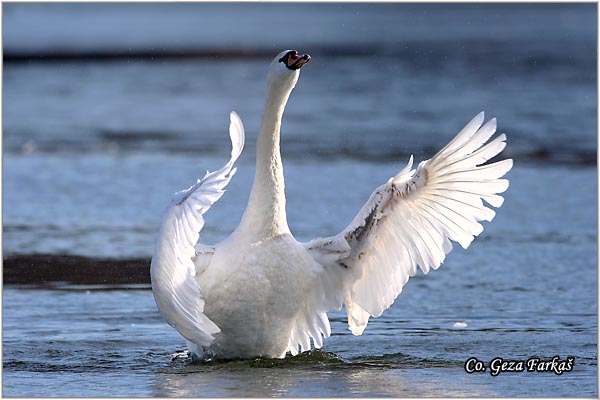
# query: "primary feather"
{"points": [[410, 221]]}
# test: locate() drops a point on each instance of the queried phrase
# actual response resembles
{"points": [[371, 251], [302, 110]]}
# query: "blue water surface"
{"points": [[94, 145]]}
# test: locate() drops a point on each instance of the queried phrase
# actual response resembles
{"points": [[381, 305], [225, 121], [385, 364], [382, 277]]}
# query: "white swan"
{"points": [[261, 293]]}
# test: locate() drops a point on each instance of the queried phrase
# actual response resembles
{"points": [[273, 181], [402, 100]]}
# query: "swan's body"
{"points": [[257, 286], [262, 293]]}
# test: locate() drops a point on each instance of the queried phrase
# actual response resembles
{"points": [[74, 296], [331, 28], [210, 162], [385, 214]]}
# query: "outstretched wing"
{"points": [[411, 220], [172, 270]]}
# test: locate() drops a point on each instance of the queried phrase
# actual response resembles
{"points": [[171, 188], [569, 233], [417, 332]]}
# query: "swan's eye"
{"points": [[285, 59]]}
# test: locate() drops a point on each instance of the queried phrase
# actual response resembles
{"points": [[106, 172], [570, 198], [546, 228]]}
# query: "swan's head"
{"points": [[285, 68]]}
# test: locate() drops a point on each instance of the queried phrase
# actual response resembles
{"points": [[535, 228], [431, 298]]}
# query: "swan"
{"points": [[261, 293]]}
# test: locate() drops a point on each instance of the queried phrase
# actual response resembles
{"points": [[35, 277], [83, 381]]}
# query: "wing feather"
{"points": [[311, 322], [411, 220], [172, 270]]}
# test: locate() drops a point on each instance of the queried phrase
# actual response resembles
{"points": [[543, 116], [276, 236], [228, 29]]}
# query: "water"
{"points": [[94, 147]]}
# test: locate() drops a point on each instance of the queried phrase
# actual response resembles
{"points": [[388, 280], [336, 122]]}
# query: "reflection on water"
{"points": [[245, 382], [316, 374]]}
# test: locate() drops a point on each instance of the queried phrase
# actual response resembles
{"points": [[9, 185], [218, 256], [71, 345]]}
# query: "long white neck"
{"points": [[265, 215]]}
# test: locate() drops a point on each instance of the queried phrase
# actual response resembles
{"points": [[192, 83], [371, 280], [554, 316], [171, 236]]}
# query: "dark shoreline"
{"points": [[51, 269], [143, 53]]}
